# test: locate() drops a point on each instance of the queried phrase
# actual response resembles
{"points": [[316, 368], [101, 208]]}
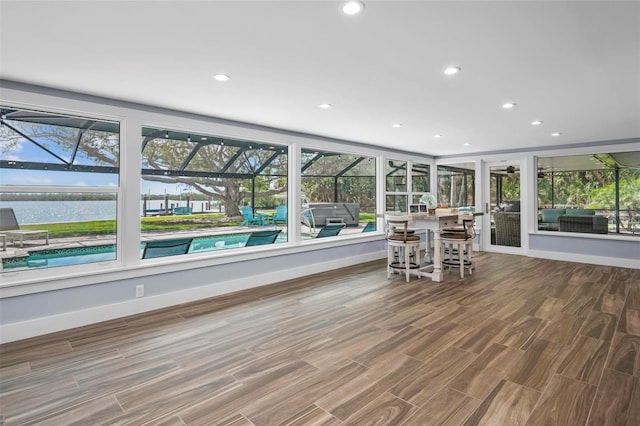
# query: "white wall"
{"points": [[43, 301], [47, 301]]}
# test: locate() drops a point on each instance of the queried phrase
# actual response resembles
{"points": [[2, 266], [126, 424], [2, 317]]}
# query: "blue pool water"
{"points": [[83, 255], [61, 257]]}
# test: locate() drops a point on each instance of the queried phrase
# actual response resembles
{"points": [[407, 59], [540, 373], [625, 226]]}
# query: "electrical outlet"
{"points": [[139, 290]]}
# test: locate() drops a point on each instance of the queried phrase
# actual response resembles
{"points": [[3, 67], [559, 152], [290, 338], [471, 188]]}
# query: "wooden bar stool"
{"points": [[457, 247], [402, 245]]}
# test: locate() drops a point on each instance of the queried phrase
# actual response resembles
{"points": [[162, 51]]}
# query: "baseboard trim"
{"points": [[51, 324], [583, 258]]}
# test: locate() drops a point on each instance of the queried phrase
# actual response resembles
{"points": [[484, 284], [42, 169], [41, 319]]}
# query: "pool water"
{"points": [[61, 257], [83, 255]]}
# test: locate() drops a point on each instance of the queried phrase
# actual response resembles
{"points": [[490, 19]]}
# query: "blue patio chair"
{"points": [[281, 215], [161, 248], [330, 230], [249, 218], [259, 238]]}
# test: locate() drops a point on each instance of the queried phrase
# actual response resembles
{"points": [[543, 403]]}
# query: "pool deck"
{"points": [[14, 250]]}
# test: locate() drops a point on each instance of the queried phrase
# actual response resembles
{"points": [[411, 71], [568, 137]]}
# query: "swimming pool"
{"points": [[61, 257], [91, 254]]}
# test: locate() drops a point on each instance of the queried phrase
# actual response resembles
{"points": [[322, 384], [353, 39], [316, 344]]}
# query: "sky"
{"points": [[27, 151]]}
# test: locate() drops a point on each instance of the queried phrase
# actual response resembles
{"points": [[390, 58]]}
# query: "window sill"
{"points": [[620, 237], [19, 283]]}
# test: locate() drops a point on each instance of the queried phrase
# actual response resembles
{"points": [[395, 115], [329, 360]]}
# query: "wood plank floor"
{"points": [[521, 342]]}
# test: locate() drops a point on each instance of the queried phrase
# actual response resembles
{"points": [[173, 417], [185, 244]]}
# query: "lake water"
{"points": [[30, 212]]}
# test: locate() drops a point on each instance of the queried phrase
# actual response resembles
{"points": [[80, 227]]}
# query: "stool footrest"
{"points": [[400, 265], [455, 262]]}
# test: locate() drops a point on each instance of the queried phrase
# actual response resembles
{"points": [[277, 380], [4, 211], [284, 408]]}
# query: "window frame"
{"points": [[177, 134], [34, 275], [615, 235], [351, 151]]}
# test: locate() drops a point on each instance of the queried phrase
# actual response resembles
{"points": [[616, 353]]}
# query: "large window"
{"points": [[206, 193], [598, 193], [59, 179], [338, 193]]}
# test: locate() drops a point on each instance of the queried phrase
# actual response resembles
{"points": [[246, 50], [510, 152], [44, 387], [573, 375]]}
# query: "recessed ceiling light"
{"points": [[508, 105], [396, 125], [452, 70], [221, 77], [536, 123], [437, 135], [556, 134], [203, 138], [466, 144], [324, 106], [352, 7]]}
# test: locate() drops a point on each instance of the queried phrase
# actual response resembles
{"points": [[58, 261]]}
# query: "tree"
{"points": [[215, 158], [355, 178], [79, 144]]}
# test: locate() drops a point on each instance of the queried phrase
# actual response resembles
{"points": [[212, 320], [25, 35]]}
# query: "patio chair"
{"points": [[281, 215], [308, 220], [330, 230], [10, 227], [249, 218], [259, 238], [508, 229], [162, 248]]}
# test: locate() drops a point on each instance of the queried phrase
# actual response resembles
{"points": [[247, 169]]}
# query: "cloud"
{"points": [[30, 180]]}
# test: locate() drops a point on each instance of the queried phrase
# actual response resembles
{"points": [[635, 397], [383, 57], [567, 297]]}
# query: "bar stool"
{"points": [[402, 245], [457, 246]]}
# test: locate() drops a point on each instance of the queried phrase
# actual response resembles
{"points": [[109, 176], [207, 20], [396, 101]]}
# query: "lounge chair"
{"points": [[308, 220], [10, 227], [259, 238], [249, 218], [161, 248], [281, 215], [330, 230]]}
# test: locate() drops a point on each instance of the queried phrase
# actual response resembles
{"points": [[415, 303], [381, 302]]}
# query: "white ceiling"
{"points": [[573, 64]]}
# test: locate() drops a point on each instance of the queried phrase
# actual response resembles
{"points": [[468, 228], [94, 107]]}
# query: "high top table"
{"points": [[433, 223]]}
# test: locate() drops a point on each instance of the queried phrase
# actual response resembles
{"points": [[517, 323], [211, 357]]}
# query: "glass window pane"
{"points": [[456, 185], [58, 229], [420, 177], [396, 176], [338, 188], [220, 193], [596, 193], [396, 203], [37, 148]]}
